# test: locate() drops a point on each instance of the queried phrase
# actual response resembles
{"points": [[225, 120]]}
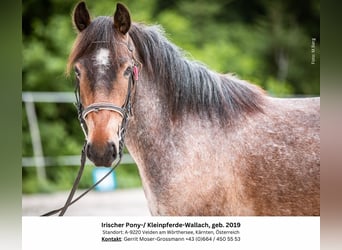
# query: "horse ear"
{"points": [[81, 16], [122, 19]]}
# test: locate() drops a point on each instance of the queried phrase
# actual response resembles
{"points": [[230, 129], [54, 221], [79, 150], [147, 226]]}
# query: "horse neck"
{"points": [[172, 106], [150, 114], [189, 87]]}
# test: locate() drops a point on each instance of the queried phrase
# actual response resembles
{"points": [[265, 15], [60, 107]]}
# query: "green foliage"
{"points": [[280, 89], [31, 185], [266, 43]]}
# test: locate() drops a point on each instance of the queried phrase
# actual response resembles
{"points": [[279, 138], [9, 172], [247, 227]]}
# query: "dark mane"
{"points": [[190, 86]]}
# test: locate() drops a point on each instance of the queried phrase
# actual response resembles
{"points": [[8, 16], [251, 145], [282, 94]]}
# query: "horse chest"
{"points": [[190, 178]]}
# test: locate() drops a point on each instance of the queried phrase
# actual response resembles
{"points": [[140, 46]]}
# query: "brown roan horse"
{"points": [[205, 143]]}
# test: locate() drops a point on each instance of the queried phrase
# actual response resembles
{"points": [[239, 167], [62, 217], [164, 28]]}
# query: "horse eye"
{"points": [[128, 71], [77, 72]]}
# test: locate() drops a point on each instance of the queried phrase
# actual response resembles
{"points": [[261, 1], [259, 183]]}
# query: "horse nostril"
{"points": [[89, 150], [113, 148]]}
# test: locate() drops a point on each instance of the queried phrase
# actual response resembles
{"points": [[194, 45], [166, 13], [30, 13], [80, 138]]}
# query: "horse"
{"points": [[205, 143]]}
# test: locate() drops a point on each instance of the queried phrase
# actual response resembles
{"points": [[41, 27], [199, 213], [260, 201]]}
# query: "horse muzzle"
{"points": [[102, 155]]}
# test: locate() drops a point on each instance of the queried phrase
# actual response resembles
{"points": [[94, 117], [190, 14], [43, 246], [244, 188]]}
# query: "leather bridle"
{"points": [[125, 111]]}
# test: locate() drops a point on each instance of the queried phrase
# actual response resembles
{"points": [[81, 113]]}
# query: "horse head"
{"points": [[105, 68]]}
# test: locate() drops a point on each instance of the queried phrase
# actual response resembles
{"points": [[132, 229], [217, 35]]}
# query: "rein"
{"points": [[125, 111]]}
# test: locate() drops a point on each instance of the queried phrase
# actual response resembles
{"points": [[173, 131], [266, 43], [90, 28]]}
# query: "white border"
{"points": [[266, 233]]}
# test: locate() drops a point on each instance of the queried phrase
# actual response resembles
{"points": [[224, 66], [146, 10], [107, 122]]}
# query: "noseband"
{"points": [[95, 107], [125, 111]]}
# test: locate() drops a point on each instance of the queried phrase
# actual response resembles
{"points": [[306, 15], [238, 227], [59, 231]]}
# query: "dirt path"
{"points": [[128, 202]]}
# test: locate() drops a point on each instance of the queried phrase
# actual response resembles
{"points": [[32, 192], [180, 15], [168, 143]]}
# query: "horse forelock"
{"points": [[189, 86], [100, 34]]}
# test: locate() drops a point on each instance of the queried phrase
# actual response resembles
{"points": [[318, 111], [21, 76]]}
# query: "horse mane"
{"points": [[189, 86]]}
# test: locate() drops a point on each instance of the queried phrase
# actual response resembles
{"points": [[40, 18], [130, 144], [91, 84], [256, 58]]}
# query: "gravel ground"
{"points": [[128, 202]]}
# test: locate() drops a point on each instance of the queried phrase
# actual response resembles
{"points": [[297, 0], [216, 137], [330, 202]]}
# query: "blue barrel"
{"points": [[109, 183]]}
